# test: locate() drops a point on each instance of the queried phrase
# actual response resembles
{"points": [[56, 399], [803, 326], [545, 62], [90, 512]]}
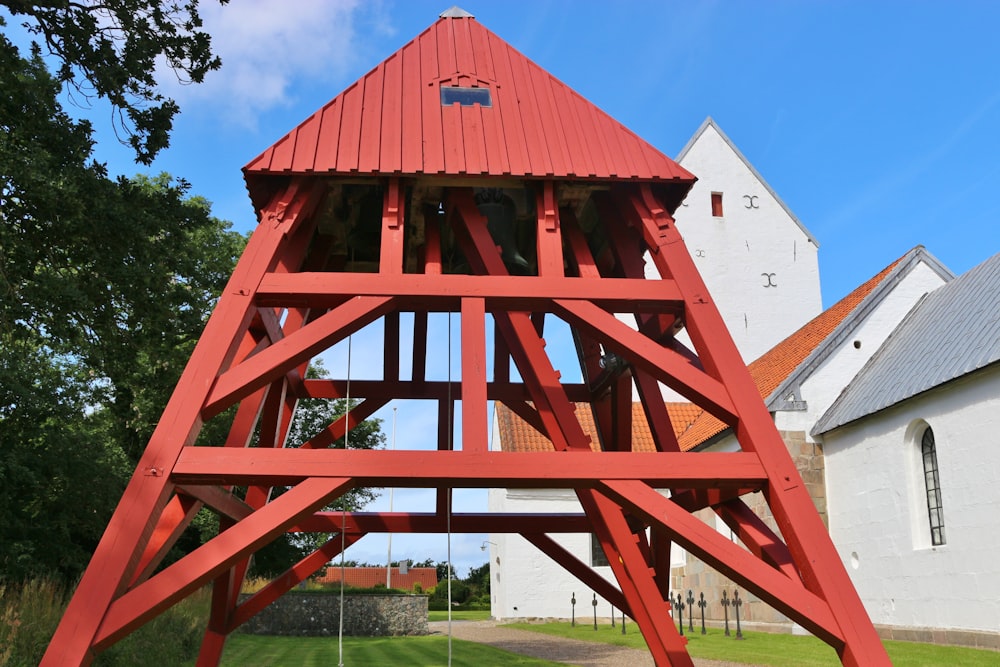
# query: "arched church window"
{"points": [[932, 484]]}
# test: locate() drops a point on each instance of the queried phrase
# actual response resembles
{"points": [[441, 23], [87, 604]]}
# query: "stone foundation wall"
{"points": [[698, 577], [969, 638], [306, 614]]}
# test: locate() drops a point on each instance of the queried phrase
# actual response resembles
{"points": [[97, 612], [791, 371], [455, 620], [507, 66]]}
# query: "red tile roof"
{"points": [[516, 435], [369, 577], [774, 366], [392, 120], [692, 425]]}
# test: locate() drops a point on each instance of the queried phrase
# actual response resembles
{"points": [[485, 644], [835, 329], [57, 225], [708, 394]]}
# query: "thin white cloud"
{"points": [[267, 47]]}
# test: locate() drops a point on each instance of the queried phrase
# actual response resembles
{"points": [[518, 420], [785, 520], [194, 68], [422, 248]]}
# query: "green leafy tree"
{"points": [[478, 582], [311, 417], [111, 49], [446, 571], [105, 285]]}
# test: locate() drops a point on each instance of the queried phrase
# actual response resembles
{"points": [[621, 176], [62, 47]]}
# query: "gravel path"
{"points": [[558, 649]]}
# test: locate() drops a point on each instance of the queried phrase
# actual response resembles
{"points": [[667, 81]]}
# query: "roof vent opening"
{"points": [[466, 97]]}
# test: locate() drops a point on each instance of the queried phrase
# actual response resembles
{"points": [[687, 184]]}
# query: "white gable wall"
{"points": [[878, 513], [756, 243]]}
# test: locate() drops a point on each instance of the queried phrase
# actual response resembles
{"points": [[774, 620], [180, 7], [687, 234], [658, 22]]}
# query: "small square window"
{"points": [[466, 97], [717, 204]]}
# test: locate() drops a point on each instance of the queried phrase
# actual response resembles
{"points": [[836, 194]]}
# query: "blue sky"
{"points": [[878, 123]]}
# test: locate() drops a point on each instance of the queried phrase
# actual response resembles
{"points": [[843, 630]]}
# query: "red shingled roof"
{"points": [[369, 577], [516, 435], [392, 120], [774, 366], [691, 423]]}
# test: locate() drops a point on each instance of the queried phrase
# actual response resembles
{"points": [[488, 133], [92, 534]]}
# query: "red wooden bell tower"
{"points": [[459, 177]]}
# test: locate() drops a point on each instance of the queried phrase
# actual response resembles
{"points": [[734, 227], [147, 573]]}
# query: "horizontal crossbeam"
{"points": [[464, 522], [466, 469], [444, 292]]}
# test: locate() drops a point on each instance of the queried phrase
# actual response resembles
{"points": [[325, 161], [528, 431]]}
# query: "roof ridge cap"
{"points": [[455, 12]]}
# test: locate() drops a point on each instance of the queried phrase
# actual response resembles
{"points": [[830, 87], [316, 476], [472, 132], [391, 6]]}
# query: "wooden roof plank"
{"points": [[576, 140], [622, 167], [306, 142], [284, 151], [493, 142], [262, 162], [328, 140], [539, 162], [465, 60], [433, 117], [347, 149], [482, 55], [451, 129], [474, 139], [391, 143], [412, 150], [445, 33], [371, 120], [550, 117], [606, 167], [506, 106]]}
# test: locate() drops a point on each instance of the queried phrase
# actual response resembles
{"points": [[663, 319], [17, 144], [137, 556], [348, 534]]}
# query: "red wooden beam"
{"points": [[649, 609], [548, 232], [475, 420], [665, 365], [206, 562], [784, 594], [461, 522], [443, 292], [286, 581], [392, 245], [300, 346], [437, 390], [804, 532], [563, 469]]}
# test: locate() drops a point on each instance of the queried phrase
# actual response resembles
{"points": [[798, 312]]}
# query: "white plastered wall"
{"points": [[526, 583], [878, 513], [759, 264]]}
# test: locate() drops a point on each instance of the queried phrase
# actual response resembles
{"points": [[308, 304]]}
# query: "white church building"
{"points": [[857, 391]]}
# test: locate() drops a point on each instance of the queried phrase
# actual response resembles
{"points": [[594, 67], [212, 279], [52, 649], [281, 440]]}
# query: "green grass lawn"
{"points": [[432, 651], [462, 615], [778, 650]]}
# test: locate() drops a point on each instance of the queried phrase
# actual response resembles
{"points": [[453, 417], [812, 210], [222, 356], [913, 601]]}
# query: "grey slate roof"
{"points": [[788, 395], [950, 332]]}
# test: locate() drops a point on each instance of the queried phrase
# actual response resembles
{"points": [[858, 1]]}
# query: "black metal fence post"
{"points": [[737, 603], [725, 609], [595, 610], [702, 604], [572, 603], [690, 602]]}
